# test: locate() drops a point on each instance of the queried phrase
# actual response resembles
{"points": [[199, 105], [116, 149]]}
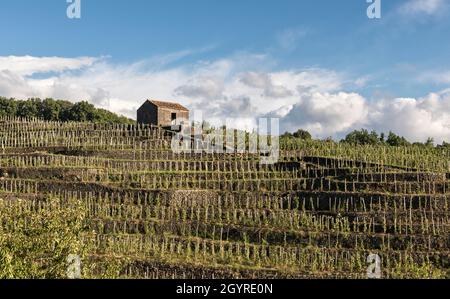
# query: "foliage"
{"points": [[395, 140], [38, 242], [429, 142], [444, 145], [362, 137], [300, 134], [58, 110]]}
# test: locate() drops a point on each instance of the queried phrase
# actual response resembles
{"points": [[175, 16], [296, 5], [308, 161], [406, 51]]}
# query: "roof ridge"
{"points": [[166, 104]]}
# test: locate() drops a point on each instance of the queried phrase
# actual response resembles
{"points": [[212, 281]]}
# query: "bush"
{"points": [[37, 244]]}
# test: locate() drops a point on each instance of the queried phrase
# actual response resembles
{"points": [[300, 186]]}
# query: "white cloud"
{"points": [[241, 86], [14, 84], [264, 81], [440, 77], [416, 119], [289, 39], [423, 7], [28, 65], [325, 114], [205, 88]]}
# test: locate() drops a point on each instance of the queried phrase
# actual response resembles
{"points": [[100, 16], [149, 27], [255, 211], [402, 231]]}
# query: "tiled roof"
{"points": [[168, 105]]}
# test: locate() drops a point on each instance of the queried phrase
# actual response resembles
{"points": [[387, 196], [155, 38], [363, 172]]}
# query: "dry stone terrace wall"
{"points": [[318, 212]]}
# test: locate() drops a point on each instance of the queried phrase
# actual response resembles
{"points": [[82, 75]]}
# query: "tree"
{"points": [[395, 140], [50, 110], [286, 135], [430, 142], [28, 108], [362, 137], [302, 134], [58, 110], [82, 111], [8, 107], [445, 145]]}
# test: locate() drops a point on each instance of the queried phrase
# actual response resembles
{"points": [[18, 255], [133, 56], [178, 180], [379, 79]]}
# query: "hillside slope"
{"points": [[147, 212]]}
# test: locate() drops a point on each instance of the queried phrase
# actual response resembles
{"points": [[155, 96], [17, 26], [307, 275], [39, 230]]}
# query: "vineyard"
{"points": [[121, 199]]}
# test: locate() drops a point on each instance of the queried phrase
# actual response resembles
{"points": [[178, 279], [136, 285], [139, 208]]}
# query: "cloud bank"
{"points": [[241, 86]]}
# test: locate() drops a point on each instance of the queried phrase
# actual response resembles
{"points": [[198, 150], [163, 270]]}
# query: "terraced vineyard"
{"points": [[146, 212]]}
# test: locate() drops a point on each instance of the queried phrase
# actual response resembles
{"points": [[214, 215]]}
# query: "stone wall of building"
{"points": [[148, 114], [165, 116]]}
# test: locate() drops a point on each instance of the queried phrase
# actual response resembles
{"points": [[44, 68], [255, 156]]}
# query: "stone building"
{"points": [[162, 114]]}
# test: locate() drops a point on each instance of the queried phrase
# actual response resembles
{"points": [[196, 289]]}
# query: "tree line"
{"points": [[364, 137], [59, 110]]}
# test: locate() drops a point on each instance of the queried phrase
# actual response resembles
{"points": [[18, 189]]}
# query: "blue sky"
{"points": [[405, 54]]}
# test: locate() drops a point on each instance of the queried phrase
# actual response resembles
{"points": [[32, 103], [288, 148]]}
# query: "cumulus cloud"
{"points": [[416, 119], [12, 83], [242, 87], [263, 81], [203, 87], [326, 114]]}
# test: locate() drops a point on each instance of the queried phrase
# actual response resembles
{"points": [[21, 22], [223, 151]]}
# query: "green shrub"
{"points": [[36, 242]]}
